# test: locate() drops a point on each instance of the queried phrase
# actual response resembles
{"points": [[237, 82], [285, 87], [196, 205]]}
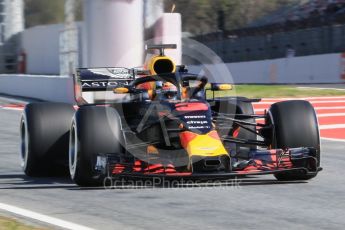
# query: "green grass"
{"points": [[276, 91], [11, 224]]}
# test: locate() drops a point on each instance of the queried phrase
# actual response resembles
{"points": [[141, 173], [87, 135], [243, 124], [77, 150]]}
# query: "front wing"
{"points": [[261, 162]]}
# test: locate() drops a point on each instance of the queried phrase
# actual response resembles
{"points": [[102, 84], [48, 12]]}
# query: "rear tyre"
{"points": [[94, 130], [295, 125], [44, 132]]}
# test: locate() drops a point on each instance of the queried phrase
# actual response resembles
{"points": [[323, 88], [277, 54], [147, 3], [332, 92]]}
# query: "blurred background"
{"points": [[263, 41]]}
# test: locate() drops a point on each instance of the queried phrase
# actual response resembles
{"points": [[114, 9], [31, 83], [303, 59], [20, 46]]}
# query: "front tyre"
{"points": [[94, 130], [295, 125]]}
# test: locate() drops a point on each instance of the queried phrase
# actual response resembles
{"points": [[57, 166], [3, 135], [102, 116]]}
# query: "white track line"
{"points": [[313, 102], [42, 218], [320, 115], [330, 107], [317, 88], [332, 139], [326, 115], [301, 98], [316, 108], [9, 108], [331, 115], [338, 126]]}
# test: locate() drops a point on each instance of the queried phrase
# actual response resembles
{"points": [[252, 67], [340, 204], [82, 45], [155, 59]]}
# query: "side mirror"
{"points": [[221, 86]]}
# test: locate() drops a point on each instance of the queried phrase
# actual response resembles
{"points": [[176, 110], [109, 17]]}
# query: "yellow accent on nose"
{"points": [[206, 146]]}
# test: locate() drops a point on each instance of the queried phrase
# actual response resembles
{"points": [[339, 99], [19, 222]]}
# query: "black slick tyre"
{"points": [[44, 132], [295, 125], [95, 130]]}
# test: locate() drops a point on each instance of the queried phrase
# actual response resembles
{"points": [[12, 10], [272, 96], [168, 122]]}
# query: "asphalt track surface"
{"points": [[252, 203]]}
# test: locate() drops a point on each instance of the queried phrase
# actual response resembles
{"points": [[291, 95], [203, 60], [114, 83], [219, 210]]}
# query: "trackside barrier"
{"points": [[325, 68], [47, 88]]}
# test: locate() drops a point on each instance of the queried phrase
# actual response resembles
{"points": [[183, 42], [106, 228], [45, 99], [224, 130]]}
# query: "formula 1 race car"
{"points": [[162, 121]]}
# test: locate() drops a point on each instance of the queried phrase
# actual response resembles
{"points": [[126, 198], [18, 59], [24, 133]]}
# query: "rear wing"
{"points": [[91, 84], [103, 79]]}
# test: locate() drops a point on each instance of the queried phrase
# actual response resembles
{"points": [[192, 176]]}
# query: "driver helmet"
{"points": [[169, 91]]}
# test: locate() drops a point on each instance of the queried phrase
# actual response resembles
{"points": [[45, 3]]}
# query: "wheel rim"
{"points": [[73, 151], [24, 144]]}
